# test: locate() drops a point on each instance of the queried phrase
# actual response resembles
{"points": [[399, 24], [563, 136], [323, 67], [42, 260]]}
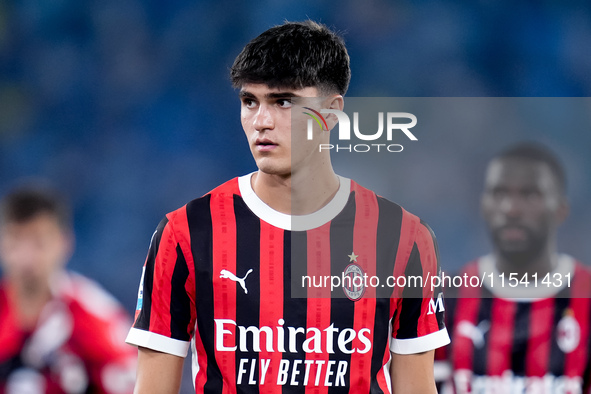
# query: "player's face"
{"points": [[32, 251], [267, 120], [522, 205]]}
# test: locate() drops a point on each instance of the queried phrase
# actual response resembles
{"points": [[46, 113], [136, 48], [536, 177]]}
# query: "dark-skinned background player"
{"points": [[529, 333]]}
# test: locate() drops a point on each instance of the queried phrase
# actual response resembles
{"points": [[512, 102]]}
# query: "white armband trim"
{"points": [[157, 342], [421, 344]]}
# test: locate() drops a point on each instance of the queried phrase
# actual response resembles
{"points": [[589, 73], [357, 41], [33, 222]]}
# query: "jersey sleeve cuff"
{"points": [[157, 342], [420, 344]]}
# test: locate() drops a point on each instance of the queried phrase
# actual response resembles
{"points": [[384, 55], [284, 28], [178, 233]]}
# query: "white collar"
{"points": [[565, 266], [294, 222]]}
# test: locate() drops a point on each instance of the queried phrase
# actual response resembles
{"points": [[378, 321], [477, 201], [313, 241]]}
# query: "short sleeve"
{"points": [[164, 320], [418, 323]]}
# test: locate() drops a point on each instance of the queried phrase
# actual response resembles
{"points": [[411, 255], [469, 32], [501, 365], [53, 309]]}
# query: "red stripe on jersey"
{"points": [[408, 227], [224, 291], [501, 336], [463, 350], [271, 295], [466, 312], [229, 188], [470, 291], [318, 313], [364, 246], [576, 360], [11, 337], [163, 269], [540, 337], [182, 229]]}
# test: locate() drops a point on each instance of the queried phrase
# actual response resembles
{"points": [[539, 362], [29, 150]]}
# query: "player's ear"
{"points": [[336, 102], [333, 102]]}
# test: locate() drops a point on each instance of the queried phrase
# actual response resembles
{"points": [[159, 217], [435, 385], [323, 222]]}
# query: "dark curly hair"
{"points": [[295, 55]]}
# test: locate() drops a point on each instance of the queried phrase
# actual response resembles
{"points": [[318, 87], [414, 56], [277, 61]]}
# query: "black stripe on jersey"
{"points": [[556, 364], [411, 307], [480, 356], [387, 242], [294, 308], [342, 309], [200, 229], [296, 266], [432, 236], [180, 303], [587, 370], [388, 238], [143, 319], [248, 256], [520, 337]]}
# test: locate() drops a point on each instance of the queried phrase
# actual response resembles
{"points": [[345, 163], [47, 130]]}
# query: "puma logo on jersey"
{"points": [[228, 275], [475, 333]]}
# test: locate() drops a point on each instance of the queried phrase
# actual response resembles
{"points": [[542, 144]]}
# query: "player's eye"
{"points": [[284, 103], [498, 193], [248, 102], [531, 194]]}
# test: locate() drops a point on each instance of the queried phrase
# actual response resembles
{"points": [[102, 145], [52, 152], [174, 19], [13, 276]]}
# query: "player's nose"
{"points": [[263, 118], [512, 206]]}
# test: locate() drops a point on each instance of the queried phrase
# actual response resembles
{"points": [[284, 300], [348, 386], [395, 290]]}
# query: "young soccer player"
{"points": [[59, 332], [220, 270], [530, 332]]}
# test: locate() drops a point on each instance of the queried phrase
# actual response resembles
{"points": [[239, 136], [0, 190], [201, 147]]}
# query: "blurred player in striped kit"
{"points": [[59, 332], [527, 331]]}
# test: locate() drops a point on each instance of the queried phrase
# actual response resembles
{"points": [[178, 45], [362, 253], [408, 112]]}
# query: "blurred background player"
{"points": [[529, 334], [59, 332]]}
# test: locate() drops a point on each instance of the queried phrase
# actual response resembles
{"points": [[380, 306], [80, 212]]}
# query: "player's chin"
{"points": [[273, 167], [519, 254]]}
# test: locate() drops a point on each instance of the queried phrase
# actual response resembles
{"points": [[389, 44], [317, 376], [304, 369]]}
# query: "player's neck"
{"points": [[545, 263], [300, 193], [28, 302]]}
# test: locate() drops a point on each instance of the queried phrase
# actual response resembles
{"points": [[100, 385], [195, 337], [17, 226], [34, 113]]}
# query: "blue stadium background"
{"points": [[126, 105]]}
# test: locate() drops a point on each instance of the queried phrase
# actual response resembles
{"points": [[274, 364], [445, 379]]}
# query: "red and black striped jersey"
{"points": [[227, 274], [76, 345], [517, 345]]}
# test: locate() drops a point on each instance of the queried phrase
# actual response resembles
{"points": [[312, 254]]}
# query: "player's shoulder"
{"points": [[365, 196], [226, 189], [579, 266], [581, 277], [86, 296], [473, 267], [391, 211]]}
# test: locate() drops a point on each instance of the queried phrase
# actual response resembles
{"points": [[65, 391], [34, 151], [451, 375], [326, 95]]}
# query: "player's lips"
{"points": [[513, 233], [264, 144]]}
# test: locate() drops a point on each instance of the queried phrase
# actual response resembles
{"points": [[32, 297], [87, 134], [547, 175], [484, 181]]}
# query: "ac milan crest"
{"points": [[353, 280], [568, 332]]}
